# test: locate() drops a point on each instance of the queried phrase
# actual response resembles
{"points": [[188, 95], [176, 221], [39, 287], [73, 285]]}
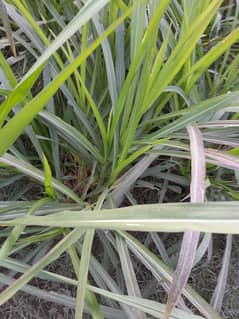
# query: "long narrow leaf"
{"points": [[178, 217], [7, 26], [38, 175], [190, 239], [53, 254], [219, 291], [14, 127]]}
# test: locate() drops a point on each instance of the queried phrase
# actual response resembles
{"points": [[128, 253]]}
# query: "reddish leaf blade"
{"points": [[190, 239], [219, 291]]}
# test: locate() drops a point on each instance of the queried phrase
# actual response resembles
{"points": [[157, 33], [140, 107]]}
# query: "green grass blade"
{"points": [[129, 274], [38, 175], [71, 134], [181, 52], [197, 112], [48, 178], [7, 71], [90, 8], [82, 279], [150, 307], [200, 66], [15, 126], [84, 266], [18, 95], [7, 26], [53, 254], [16, 232]]}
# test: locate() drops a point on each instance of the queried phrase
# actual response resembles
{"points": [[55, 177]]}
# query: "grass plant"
{"points": [[100, 97]]}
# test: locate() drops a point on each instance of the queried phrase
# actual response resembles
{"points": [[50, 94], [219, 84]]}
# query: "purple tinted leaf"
{"points": [[233, 142], [162, 272], [197, 165], [219, 291], [190, 239], [220, 124], [183, 270], [221, 158]]}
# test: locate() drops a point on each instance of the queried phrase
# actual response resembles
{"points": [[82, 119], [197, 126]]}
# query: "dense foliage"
{"points": [[99, 100]]}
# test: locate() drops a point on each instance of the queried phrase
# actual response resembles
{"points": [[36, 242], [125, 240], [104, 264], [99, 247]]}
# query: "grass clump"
{"points": [[101, 98]]}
